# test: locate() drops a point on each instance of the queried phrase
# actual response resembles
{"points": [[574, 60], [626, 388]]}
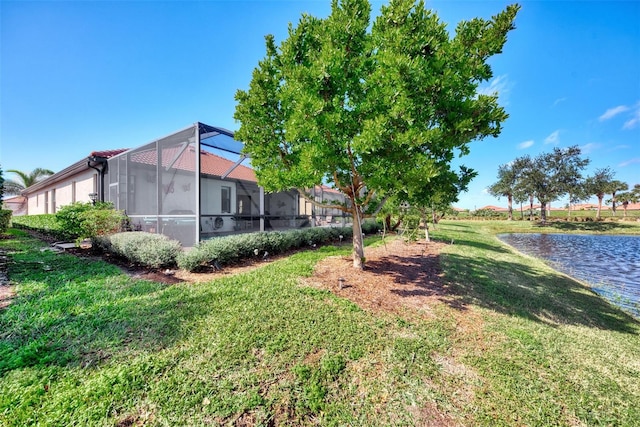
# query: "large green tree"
{"points": [[24, 180], [370, 109]]}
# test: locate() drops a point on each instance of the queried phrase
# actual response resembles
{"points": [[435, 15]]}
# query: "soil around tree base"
{"points": [[397, 276]]}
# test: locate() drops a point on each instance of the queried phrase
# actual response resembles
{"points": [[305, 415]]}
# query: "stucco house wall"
{"points": [[50, 198]]}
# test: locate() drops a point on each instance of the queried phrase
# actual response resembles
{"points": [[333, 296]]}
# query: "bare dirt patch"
{"points": [[397, 276]]}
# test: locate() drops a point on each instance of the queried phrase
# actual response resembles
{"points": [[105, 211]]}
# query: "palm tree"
{"points": [[25, 180], [632, 196], [616, 187]]}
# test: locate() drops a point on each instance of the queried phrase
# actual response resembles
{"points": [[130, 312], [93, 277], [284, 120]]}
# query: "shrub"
{"points": [[86, 220], [5, 219], [222, 251], [45, 223], [371, 227], [148, 249]]}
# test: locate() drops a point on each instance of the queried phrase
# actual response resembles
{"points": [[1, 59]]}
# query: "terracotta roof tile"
{"points": [[108, 153], [210, 164]]}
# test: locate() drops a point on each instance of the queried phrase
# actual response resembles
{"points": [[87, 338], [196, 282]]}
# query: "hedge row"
{"points": [[45, 223], [148, 249], [226, 250], [156, 250]]}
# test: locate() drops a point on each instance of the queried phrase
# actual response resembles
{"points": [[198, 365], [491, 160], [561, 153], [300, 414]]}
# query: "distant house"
{"points": [[16, 204], [190, 186], [493, 208]]}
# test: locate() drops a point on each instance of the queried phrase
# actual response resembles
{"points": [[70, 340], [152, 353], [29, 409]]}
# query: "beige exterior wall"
{"points": [[73, 189]]}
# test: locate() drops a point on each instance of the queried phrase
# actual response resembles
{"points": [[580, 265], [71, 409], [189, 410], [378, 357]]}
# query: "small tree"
{"points": [[371, 109], [600, 184], [506, 185], [628, 197], [616, 187]]}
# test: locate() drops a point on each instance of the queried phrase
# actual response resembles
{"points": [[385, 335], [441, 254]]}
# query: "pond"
{"points": [[609, 263]]}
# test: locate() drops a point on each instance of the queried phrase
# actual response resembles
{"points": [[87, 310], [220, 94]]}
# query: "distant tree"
{"points": [[1, 186], [569, 167], [524, 188], [436, 196], [600, 184], [370, 109], [552, 175], [616, 187], [25, 180], [506, 185], [628, 197]]}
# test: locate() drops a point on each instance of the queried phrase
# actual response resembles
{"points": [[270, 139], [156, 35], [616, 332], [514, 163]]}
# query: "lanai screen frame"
{"points": [[142, 180]]}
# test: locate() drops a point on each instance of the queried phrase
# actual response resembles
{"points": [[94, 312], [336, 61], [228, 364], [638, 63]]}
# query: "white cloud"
{"points": [[612, 112], [485, 191], [629, 162], [558, 101], [588, 148], [500, 86], [526, 144], [633, 122], [554, 138]]}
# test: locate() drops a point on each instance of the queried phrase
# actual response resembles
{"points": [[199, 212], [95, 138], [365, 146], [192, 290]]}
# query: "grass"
{"points": [[517, 344]]}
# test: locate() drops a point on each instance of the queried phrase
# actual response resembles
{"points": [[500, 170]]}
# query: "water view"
{"points": [[609, 263]]}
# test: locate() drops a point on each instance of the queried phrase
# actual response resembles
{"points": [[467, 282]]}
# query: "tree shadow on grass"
{"points": [[518, 289], [85, 312]]}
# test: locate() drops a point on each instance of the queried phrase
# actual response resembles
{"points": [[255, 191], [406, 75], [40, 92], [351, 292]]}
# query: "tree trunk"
{"points": [[600, 197], [569, 207], [358, 245], [392, 227], [510, 202], [613, 205], [624, 209], [543, 212], [531, 207], [423, 213]]}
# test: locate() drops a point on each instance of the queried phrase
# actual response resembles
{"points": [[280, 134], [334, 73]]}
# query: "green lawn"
{"points": [[514, 344]]}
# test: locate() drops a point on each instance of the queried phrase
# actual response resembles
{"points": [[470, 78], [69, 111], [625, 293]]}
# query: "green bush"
{"points": [[226, 250], [148, 249], [86, 220], [370, 226], [5, 219], [45, 223]]}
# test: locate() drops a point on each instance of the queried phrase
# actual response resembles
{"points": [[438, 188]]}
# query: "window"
{"points": [[225, 201], [53, 201], [73, 192]]}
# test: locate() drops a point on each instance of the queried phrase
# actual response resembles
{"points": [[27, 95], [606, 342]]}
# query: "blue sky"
{"points": [[80, 76]]}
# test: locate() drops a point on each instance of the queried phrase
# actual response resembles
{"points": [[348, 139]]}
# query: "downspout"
{"points": [[103, 162]]}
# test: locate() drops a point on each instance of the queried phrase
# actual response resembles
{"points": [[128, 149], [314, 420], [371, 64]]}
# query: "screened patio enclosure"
{"points": [[192, 185]]}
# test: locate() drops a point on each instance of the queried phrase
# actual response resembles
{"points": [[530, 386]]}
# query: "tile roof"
{"points": [[210, 164], [493, 208], [108, 153]]}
